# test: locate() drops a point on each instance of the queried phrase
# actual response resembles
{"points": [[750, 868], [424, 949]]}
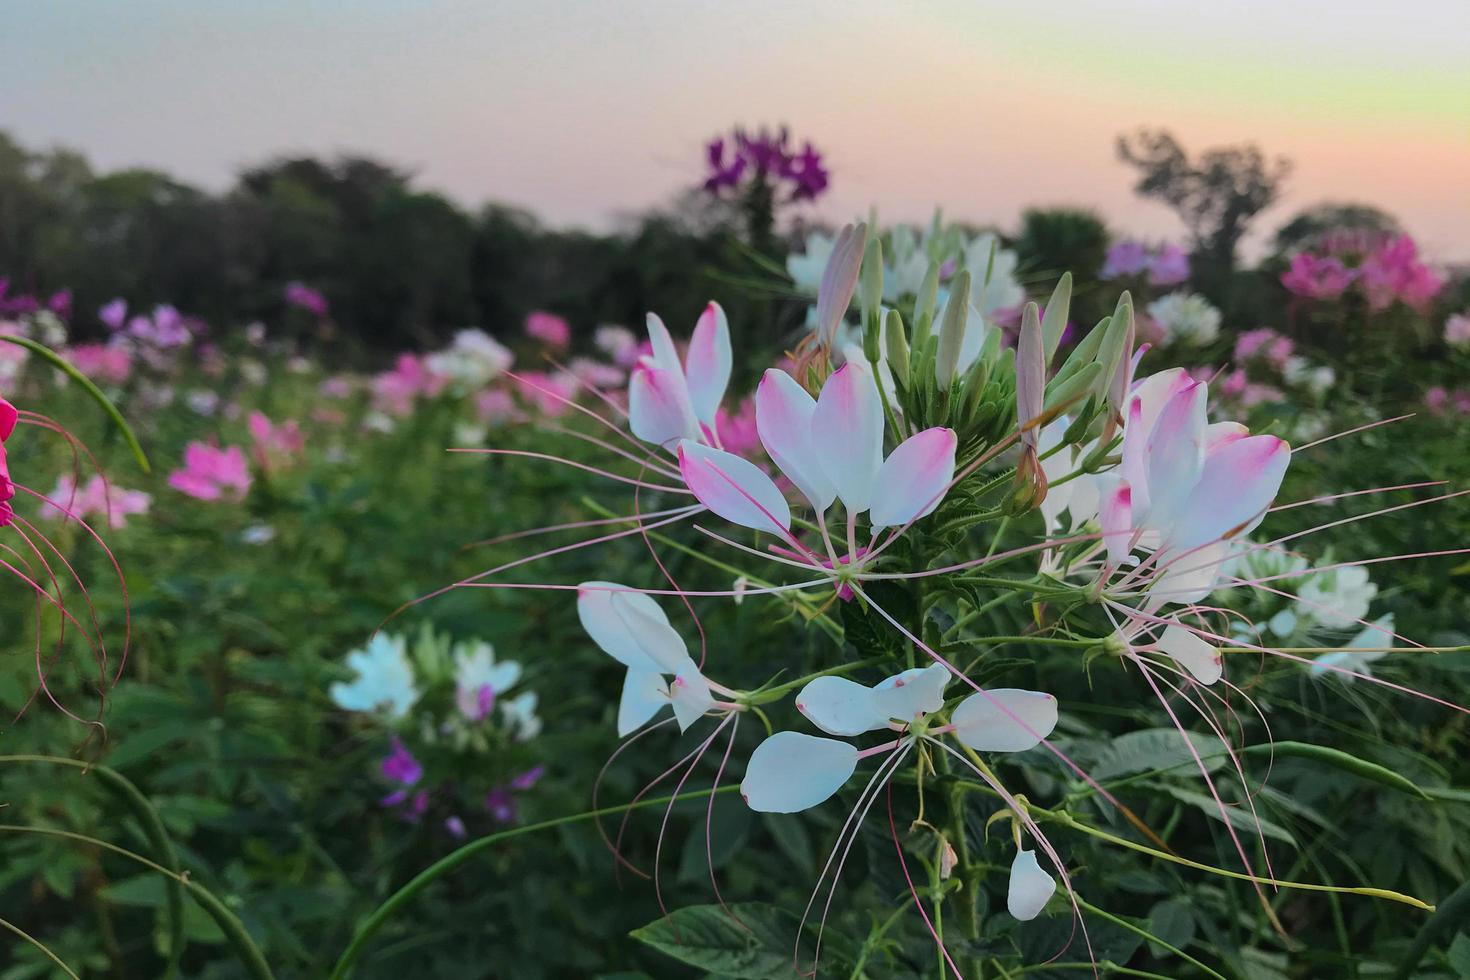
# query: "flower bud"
{"points": [[896, 340], [925, 305], [1055, 321], [870, 292], [873, 337], [952, 333]]}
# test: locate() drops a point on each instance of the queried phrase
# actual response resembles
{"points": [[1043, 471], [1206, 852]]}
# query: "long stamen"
{"points": [[549, 457]]}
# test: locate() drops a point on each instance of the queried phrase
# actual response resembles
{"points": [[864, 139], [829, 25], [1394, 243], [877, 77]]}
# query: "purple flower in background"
{"points": [[528, 778], [501, 805], [765, 158], [310, 300], [1125, 258], [400, 766], [60, 303], [455, 826], [1169, 266], [113, 314], [548, 328]]}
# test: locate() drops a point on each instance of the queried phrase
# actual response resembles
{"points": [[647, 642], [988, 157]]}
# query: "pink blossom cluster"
{"points": [[275, 445], [1440, 401], [212, 473], [166, 327], [549, 329], [302, 296], [95, 498], [19, 304], [1165, 265], [1457, 330], [1388, 270], [395, 391], [1266, 344], [104, 363]]}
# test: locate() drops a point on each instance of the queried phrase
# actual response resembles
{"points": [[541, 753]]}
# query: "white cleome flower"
{"points": [[1186, 318], [384, 679]]}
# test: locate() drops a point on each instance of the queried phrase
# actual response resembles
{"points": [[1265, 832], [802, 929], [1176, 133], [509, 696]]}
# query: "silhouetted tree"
{"points": [[1217, 196], [1307, 226]]}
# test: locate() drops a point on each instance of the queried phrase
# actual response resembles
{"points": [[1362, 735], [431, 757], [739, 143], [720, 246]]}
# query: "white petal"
{"points": [[1176, 453], [734, 488], [607, 628], [690, 694], [912, 481], [783, 418], [644, 693], [1030, 888], [917, 691], [707, 365], [1192, 653], [651, 631], [665, 354], [1188, 576], [1005, 720], [658, 405], [790, 772], [839, 706], [847, 433]]}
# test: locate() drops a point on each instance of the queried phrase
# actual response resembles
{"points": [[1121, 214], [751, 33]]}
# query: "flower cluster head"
{"points": [[303, 297], [395, 391], [767, 159], [163, 329], [275, 444], [95, 499], [1185, 318], [23, 304], [107, 364], [459, 723], [212, 472], [1384, 269], [548, 328], [1457, 330], [1162, 265], [471, 361]]}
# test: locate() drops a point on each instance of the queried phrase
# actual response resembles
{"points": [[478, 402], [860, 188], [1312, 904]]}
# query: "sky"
{"points": [[585, 111]]}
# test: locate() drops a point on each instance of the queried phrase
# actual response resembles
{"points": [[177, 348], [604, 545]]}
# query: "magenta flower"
{"points": [[1169, 266], [95, 498], [275, 444], [104, 363], [501, 805], [548, 393], [1317, 277], [1125, 258], [395, 391], [737, 430], [400, 766], [311, 300], [1435, 399], [212, 473], [548, 328], [765, 158], [529, 778], [114, 314], [1393, 272]]}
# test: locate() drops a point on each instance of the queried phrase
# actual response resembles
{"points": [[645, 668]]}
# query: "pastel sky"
{"points": [[585, 110]]}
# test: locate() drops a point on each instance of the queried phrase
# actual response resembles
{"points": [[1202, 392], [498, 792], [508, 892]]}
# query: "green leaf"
{"points": [[1157, 750], [705, 936], [1239, 816], [1173, 922], [67, 368]]}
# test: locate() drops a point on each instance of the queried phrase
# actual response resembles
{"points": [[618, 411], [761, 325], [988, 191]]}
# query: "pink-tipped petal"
{"points": [[1189, 577], [1237, 484], [1154, 392], [1134, 467], [847, 434], [839, 280], [1030, 887], [1176, 453], [644, 694], [707, 365], [790, 772], [690, 694], [783, 420], [8, 417], [608, 630], [650, 631], [734, 488], [917, 691], [665, 354], [1004, 720], [911, 482], [658, 406], [839, 706], [1115, 517], [1217, 434], [1192, 653]]}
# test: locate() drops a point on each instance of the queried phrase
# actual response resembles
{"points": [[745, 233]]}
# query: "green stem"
{"points": [[153, 829], [235, 934], [449, 862], [12, 927], [770, 694], [1124, 923]]}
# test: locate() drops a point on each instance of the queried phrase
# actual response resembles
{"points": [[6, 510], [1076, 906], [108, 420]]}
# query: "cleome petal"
{"points": [[707, 365], [608, 630], [912, 481], [665, 354], [783, 419], [1176, 453], [1239, 480], [1192, 653], [690, 694], [734, 488], [919, 690], [847, 434], [1030, 887], [644, 694], [1005, 719], [790, 772], [658, 405], [650, 631], [839, 706]]}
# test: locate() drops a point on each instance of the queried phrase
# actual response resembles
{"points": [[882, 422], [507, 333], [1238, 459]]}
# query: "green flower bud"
{"points": [[952, 333]]}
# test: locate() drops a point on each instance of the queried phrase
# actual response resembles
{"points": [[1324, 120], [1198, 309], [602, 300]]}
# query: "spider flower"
{"points": [[384, 679], [670, 399]]}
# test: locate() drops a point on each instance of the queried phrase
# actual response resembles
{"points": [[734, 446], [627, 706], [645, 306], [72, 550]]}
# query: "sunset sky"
{"points": [[583, 111]]}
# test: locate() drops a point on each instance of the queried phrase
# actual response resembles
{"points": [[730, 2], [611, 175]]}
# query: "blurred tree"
{"points": [[1217, 196], [1307, 226]]}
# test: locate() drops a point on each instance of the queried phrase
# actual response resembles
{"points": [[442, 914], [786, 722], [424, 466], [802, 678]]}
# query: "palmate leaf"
{"points": [[705, 936]]}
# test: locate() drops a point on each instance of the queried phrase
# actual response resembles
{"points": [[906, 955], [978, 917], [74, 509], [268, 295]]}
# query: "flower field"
{"points": [[892, 601]]}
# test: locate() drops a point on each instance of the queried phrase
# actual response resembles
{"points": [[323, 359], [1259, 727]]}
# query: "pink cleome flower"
{"points": [[212, 473], [548, 328]]}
